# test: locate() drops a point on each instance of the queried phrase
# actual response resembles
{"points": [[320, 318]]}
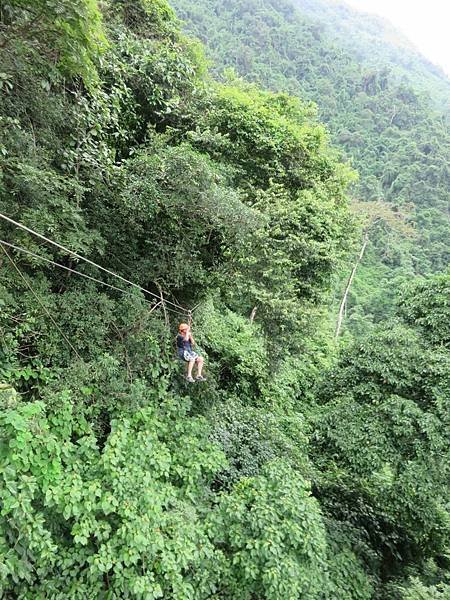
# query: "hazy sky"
{"points": [[425, 22]]}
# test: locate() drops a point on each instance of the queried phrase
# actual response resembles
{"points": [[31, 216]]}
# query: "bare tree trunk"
{"points": [[348, 286], [252, 316], [166, 316]]}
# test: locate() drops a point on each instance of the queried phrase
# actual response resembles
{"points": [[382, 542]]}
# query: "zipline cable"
{"points": [[80, 257], [44, 308], [47, 260], [52, 262]]}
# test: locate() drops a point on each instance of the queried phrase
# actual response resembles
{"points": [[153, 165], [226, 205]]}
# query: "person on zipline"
{"points": [[185, 341]]}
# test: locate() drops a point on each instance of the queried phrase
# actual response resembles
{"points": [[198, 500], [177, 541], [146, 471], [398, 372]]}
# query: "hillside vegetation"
{"points": [[374, 42], [295, 471], [379, 103]]}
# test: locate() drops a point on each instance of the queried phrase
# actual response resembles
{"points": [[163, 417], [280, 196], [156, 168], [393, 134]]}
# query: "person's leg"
{"points": [[199, 366], [189, 369]]}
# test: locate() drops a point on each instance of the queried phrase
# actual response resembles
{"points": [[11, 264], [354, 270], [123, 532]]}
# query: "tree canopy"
{"points": [[302, 468]]}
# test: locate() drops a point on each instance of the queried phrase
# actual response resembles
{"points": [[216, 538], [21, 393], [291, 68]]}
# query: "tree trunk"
{"points": [[166, 316], [348, 286]]}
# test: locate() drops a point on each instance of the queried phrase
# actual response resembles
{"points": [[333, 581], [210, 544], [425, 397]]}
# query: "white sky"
{"points": [[426, 24]]}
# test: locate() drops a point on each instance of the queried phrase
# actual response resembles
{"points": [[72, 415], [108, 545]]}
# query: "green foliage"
{"points": [[278, 154], [367, 82], [348, 576], [377, 44], [118, 478], [236, 348], [381, 432], [271, 531], [286, 266], [416, 590], [347, 572], [143, 16], [268, 138], [78, 521], [253, 436], [426, 305], [67, 32], [173, 214], [151, 82]]}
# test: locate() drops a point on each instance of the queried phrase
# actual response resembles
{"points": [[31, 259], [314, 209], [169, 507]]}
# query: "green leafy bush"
{"points": [[77, 520], [270, 530]]}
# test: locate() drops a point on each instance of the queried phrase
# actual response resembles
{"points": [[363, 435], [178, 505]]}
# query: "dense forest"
{"points": [[142, 186], [378, 99], [376, 44]]}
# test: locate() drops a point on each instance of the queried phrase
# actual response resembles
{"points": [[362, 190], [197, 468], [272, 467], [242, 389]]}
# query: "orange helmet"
{"points": [[183, 327]]}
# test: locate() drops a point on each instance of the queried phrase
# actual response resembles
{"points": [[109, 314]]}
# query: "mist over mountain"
{"points": [[373, 40]]}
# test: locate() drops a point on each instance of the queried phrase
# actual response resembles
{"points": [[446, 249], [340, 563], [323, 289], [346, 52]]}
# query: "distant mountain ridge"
{"points": [[342, 22]]}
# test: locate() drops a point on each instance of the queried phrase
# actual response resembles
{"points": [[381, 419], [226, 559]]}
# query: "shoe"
{"points": [[190, 379], [200, 378]]}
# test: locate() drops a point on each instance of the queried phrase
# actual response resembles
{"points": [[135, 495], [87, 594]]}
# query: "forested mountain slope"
{"points": [[294, 472], [392, 133], [374, 41]]}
